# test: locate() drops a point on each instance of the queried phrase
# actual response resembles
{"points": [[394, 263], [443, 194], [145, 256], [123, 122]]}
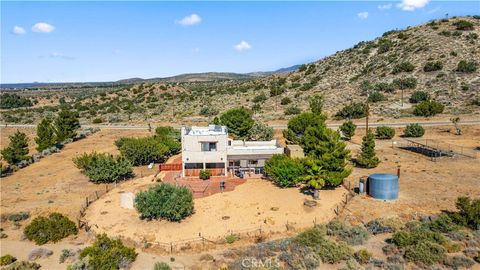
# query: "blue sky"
{"points": [[107, 41]]}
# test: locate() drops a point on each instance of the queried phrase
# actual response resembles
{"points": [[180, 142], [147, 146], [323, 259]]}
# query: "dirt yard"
{"points": [[251, 205], [425, 187]]}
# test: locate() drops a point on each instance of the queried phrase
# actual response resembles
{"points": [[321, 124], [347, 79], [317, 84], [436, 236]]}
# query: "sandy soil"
{"points": [[425, 186], [248, 207]]}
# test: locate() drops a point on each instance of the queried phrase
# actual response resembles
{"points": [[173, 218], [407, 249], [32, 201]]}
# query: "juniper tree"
{"points": [[45, 135], [348, 129], [17, 150], [66, 125], [367, 157], [316, 104]]}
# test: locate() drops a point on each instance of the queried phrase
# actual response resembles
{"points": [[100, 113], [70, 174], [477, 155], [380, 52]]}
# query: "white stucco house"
{"points": [[210, 148]]}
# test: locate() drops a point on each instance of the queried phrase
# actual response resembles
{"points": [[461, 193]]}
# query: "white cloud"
{"points": [[363, 15], [43, 27], [411, 5], [385, 7], [17, 30], [190, 20], [242, 46]]}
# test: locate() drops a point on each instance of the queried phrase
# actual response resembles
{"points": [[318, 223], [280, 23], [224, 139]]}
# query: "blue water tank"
{"points": [[383, 186]]}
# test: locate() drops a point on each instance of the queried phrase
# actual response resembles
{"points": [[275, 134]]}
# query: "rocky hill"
{"points": [[441, 58]]}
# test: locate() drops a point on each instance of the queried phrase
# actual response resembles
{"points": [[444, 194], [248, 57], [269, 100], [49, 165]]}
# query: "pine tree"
{"points": [[17, 150], [348, 129], [45, 135], [66, 124], [316, 104], [325, 145], [367, 157]]}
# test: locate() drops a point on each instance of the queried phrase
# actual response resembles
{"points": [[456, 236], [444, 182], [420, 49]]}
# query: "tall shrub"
{"points": [[17, 149], [260, 132], [348, 129], [414, 130], [45, 135], [142, 151], [104, 167], [53, 228], [284, 170], [106, 253], [316, 104], [367, 157], [298, 124], [385, 133], [66, 125], [239, 121]]}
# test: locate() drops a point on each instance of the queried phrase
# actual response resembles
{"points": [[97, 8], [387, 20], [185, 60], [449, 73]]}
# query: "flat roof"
{"points": [[206, 130]]}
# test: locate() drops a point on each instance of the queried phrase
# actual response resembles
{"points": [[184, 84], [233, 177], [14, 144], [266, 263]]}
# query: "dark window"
{"points": [[209, 146], [234, 163], [214, 165], [193, 165], [253, 162]]}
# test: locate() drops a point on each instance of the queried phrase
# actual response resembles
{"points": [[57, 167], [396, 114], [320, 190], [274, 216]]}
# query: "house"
{"points": [[212, 149]]}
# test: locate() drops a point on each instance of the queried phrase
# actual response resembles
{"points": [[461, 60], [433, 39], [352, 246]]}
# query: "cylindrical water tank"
{"points": [[383, 186]]}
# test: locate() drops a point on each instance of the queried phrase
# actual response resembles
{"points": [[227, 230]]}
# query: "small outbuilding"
{"points": [[294, 151]]}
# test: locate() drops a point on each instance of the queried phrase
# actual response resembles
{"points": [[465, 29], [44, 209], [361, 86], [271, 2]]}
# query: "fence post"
{"points": [[171, 247], [87, 201], [96, 194]]}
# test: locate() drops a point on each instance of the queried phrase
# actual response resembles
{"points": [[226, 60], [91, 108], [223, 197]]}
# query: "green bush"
{"points": [[419, 96], [10, 101], [413, 130], [376, 97], [17, 149], [103, 167], [298, 124], [348, 129], [106, 253], [20, 216], [425, 252], [352, 111], [260, 132], [97, 120], [443, 224], [428, 108], [161, 266], [402, 239], [463, 25], [143, 151], [385, 133], [7, 259], [311, 237], [367, 157], [231, 238], [468, 214], [53, 228], [316, 103], [205, 174], [239, 121], [459, 262], [165, 201], [45, 135], [284, 170], [405, 83], [260, 98], [292, 110], [352, 235], [363, 256], [403, 67], [384, 87], [208, 111], [286, 101], [66, 125], [23, 265], [433, 66], [467, 66]]}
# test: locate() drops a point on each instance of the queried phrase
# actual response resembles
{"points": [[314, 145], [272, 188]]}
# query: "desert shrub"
{"points": [[384, 87], [311, 237], [142, 151], [352, 111], [419, 96], [384, 132], [352, 235], [363, 256], [443, 224], [102, 167], [433, 66], [284, 171], [20, 216], [10, 101], [97, 120], [286, 101], [428, 108], [316, 103], [17, 149], [53, 228], [231, 238], [239, 121], [348, 129], [405, 83], [165, 201], [292, 110], [260, 98], [376, 97], [425, 252], [459, 262], [331, 252], [379, 226], [66, 254], [208, 111], [463, 25], [260, 132], [468, 214], [384, 45], [205, 174], [106, 253], [413, 130], [7, 259], [467, 66], [161, 266], [23, 265], [403, 67], [402, 239]]}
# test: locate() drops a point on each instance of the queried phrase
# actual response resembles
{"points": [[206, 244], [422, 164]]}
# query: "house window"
{"points": [[234, 163], [253, 162], [209, 146]]}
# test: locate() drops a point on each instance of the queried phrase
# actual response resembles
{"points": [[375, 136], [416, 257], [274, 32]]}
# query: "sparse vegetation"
{"points": [[10, 101], [467, 66], [403, 67], [419, 96], [433, 66]]}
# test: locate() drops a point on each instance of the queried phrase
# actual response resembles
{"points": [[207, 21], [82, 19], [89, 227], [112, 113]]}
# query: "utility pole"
{"points": [[367, 108]]}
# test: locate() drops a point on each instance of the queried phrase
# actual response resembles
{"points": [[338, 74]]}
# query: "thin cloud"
{"points": [[43, 27], [385, 7], [242, 46], [190, 20], [17, 30], [411, 5], [362, 15]]}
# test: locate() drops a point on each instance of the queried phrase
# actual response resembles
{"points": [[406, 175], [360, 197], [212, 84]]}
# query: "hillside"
{"points": [[424, 57]]}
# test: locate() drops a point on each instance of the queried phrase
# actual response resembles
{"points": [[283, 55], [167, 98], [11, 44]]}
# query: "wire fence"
{"points": [[435, 148], [203, 242]]}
